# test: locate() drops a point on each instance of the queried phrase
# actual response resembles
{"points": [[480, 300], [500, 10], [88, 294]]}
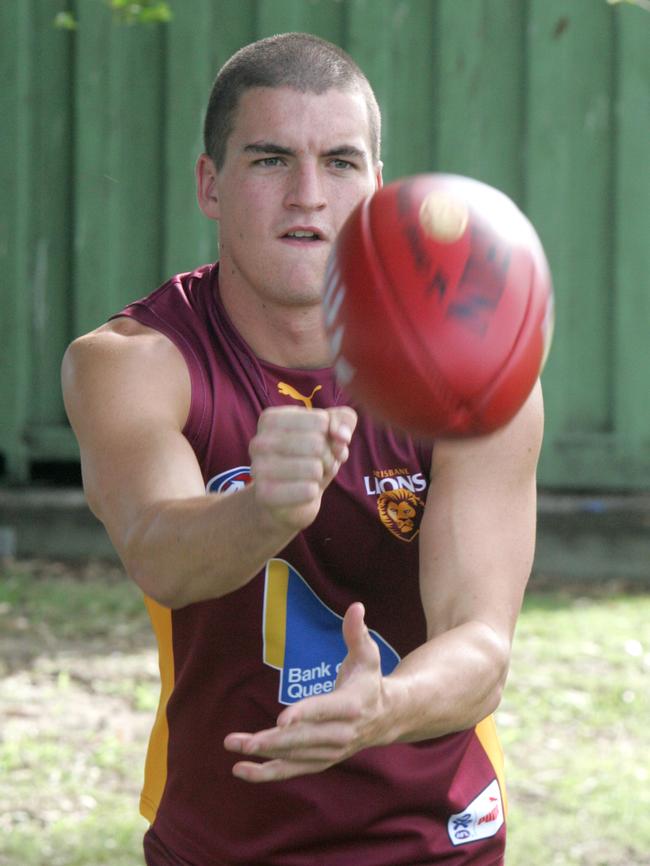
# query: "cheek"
{"points": [[246, 205], [241, 228], [347, 200]]}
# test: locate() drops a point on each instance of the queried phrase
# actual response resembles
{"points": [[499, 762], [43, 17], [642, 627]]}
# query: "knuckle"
{"points": [[315, 470], [355, 708], [321, 418], [261, 443], [265, 490], [312, 490], [259, 465], [313, 444]]}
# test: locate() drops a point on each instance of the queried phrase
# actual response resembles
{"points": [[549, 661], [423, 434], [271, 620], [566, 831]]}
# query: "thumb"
{"points": [[354, 627], [342, 421], [362, 650]]}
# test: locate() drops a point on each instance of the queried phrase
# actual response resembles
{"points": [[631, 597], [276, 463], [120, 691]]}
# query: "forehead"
{"points": [[301, 121]]}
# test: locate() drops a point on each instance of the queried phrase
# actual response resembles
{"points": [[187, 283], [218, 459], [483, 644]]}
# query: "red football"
{"points": [[439, 305]]}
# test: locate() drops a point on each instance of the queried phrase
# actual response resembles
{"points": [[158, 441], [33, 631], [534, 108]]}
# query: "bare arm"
{"points": [[127, 394], [477, 545], [476, 552]]}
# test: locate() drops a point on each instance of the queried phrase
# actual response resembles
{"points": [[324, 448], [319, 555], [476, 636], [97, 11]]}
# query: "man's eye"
{"points": [[269, 161], [341, 164]]}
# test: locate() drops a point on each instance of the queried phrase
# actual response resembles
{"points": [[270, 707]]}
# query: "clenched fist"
{"points": [[295, 454]]}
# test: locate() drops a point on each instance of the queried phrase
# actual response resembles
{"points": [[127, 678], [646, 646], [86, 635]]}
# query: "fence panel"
{"points": [[548, 100], [631, 232], [194, 54], [481, 91], [119, 134], [14, 170]]}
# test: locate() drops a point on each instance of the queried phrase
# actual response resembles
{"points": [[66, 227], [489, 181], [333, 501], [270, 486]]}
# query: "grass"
{"points": [[574, 726], [77, 698], [79, 686]]}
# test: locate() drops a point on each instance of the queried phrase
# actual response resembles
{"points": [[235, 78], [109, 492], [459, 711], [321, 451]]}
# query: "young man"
{"points": [[335, 618]]}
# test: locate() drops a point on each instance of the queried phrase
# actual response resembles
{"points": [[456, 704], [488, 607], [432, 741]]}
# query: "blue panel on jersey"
{"points": [[303, 637]]}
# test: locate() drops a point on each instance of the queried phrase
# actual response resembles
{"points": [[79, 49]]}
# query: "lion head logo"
{"points": [[400, 512]]}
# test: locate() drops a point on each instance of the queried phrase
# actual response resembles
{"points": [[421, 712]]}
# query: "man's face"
{"points": [[296, 165]]}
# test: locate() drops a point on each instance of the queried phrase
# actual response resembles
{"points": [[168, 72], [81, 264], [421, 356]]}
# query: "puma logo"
{"points": [[290, 391]]}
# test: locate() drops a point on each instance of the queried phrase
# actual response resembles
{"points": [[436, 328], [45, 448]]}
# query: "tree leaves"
{"points": [[644, 4], [125, 12]]}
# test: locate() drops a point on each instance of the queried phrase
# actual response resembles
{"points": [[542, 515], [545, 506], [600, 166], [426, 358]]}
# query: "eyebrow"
{"points": [[270, 147]]}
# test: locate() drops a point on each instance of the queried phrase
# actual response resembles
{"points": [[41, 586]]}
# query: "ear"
{"points": [[206, 186], [378, 174]]}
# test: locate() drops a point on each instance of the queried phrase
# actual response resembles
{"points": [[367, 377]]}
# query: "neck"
{"points": [[289, 335]]}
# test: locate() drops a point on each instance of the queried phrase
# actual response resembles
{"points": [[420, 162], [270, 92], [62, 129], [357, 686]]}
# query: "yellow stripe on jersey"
{"points": [[486, 731], [275, 612], [155, 769]]}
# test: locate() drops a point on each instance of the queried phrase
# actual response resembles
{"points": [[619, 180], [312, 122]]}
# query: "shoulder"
{"points": [[126, 357], [122, 340]]}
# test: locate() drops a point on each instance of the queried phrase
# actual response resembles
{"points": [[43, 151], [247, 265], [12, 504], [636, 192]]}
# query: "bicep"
{"points": [[478, 530], [126, 402]]}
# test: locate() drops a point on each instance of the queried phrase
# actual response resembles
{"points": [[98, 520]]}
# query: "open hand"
{"points": [[320, 731]]}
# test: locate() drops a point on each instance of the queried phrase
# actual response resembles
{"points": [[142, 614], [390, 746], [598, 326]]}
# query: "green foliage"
{"points": [[65, 21], [124, 12], [644, 4], [144, 12]]}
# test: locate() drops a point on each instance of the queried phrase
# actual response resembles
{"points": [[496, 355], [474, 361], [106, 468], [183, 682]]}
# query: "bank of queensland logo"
{"points": [[482, 818], [303, 637], [230, 481], [399, 506]]}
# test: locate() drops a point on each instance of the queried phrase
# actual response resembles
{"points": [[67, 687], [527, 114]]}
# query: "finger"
{"points": [[355, 631], [237, 743], [330, 464], [335, 706], [286, 418], [277, 468], [275, 771], [285, 740], [326, 742], [281, 494], [330, 754], [288, 443], [342, 422], [363, 652]]}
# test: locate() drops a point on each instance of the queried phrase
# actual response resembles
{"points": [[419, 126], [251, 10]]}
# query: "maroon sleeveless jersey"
{"points": [[232, 663]]}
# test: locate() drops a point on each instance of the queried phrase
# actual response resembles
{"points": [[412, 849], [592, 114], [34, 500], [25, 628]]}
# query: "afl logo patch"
{"points": [[230, 481]]}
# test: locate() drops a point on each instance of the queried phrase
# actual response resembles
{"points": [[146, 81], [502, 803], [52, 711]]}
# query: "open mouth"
{"points": [[303, 235]]}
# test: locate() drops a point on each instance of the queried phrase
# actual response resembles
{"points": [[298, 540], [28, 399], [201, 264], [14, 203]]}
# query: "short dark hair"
{"points": [[298, 60]]}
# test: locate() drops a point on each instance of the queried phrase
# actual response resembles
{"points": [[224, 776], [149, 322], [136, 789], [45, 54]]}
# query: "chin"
{"points": [[304, 297], [305, 291]]}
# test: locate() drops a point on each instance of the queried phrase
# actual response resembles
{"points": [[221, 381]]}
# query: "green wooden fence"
{"points": [[547, 99]]}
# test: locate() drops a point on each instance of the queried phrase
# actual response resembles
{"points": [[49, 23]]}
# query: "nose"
{"points": [[305, 189]]}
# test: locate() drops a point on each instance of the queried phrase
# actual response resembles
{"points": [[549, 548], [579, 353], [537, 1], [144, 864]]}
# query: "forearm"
{"points": [[448, 684], [182, 546], [189, 550]]}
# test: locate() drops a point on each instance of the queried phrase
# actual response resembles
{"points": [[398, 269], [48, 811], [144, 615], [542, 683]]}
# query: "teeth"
{"points": [[301, 234]]}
